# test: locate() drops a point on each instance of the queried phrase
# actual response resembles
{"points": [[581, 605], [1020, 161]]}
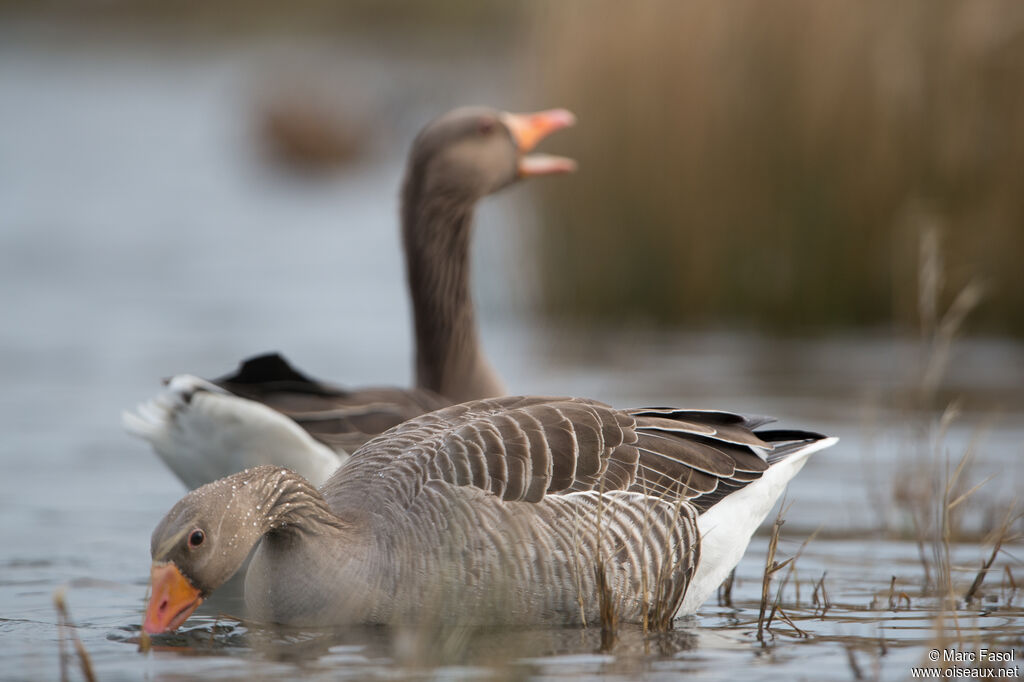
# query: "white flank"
{"points": [[204, 433], [726, 528]]}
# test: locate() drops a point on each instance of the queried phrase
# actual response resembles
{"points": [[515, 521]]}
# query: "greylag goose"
{"points": [[492, 512], [267, 412]]}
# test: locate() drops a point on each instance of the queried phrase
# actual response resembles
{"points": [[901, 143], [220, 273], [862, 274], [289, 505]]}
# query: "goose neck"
{"points": [[437, 231], [289, 504]]}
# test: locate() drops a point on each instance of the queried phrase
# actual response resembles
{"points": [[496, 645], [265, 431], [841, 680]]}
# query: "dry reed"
{"points": [[771, 567], [725, 589], [754, 162], [855, 669], [928, 487], [609, 614], [819, 597], [64, 624], [777, 604], [1001, 537]]}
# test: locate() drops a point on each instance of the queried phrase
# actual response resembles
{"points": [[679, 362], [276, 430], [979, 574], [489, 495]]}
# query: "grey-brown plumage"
{"points": [[494, 511], [454, 162], [341, 418]]}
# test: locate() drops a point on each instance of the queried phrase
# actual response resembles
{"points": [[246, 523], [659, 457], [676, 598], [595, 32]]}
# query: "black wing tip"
{"points": [[785, 435], [786, 442], [265, 368], [712, 416]]}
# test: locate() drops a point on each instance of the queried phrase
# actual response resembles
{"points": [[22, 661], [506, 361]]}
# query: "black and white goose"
{"points": [[267, 412]]}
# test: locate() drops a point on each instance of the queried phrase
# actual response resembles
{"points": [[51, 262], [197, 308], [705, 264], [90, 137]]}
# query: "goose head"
{"points": [[201, 542], [471, 152]]}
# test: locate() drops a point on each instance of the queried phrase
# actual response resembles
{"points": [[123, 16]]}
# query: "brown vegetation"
{"points": [[767, 163], [64, 624]]}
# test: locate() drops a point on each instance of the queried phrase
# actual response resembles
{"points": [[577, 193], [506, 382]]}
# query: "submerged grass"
{"points": [[934, 489], [931, 488], [766, 617], [1000, 536], [942, 496], [609, 614], [819, 597], [771, 567], [725, 589], [668, 591], [660, 592]]}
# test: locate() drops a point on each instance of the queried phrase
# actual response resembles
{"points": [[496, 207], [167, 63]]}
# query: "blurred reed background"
{"points": [[742, 164], [773, 164]]}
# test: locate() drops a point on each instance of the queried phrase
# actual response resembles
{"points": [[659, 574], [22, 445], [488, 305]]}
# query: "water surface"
{"points": [[143, 234]]}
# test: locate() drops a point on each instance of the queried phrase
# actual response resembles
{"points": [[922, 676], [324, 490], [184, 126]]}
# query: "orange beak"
{"points": [[172, 599], [529, 129]]}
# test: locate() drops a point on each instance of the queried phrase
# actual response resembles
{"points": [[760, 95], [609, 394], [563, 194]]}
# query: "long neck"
{"points": [[436, 230]]}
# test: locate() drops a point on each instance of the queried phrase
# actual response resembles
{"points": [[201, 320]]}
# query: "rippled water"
{"points": [[142, 235]]}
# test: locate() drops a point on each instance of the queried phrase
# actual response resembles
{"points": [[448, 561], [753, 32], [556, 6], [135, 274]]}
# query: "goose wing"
{"points": [[340, 418], [525, 448]]}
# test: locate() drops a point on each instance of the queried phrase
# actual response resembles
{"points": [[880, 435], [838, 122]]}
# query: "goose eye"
{"points": [[196, 538], [486, 126]]}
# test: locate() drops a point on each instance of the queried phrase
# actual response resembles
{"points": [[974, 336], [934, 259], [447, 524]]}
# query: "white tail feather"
{"points": [[203, 433], [726, 528]]}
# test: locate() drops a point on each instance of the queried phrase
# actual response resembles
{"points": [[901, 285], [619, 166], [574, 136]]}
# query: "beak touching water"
{"points": [[172, 599], [529, 129]]}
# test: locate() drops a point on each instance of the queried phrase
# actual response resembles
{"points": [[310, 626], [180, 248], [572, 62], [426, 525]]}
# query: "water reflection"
{"points": [[565, 651]]}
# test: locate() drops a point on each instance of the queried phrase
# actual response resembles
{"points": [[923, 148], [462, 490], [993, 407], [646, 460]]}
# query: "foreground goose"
{"points": [[269, 413], [492, 512]]}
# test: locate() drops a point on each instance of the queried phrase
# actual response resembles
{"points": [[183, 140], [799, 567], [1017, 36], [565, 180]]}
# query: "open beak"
{"points": [[172, 599], [529, 129]]}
